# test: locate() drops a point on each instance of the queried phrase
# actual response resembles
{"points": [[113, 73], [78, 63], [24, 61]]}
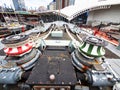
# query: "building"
{"points": [[106, 11], [71, 2], [65, 3], [58, 4], [52, 6], [1, 9], [61, 4], [106, 15], [19, 5], [42, 8]]}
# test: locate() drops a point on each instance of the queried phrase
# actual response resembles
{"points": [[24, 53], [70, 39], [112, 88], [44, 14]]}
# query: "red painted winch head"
{"points": [[17, 45]]}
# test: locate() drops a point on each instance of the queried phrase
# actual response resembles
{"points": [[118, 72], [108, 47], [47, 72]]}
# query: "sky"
{"points": [[29, 3]]}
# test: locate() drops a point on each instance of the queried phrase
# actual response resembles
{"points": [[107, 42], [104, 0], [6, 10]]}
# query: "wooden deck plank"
{"points": [[115, 65]]}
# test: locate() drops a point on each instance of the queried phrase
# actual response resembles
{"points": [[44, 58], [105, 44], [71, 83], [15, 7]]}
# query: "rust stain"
{"points": [[96, 62], [49, 58], [63, 55]]}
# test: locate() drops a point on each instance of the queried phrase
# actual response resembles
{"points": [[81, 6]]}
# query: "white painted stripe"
{"points": [[6, 50], [94, 50], [102, 50], [14, 50], [85, 49], [24, 48], [86, 55]]}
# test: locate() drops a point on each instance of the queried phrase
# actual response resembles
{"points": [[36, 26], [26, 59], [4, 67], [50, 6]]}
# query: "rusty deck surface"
{"points": [[57, 61]]}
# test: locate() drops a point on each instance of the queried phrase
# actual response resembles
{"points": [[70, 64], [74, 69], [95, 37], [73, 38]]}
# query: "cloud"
{"points": [[36, 3], [7, 2], [29, 3]]}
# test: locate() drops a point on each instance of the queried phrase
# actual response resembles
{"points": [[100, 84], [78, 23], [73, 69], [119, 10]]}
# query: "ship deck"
{"points": [[57, 61], [114, 65]]}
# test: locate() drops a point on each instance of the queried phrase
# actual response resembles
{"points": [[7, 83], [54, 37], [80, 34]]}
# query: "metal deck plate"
{"points": [[53, 62]]}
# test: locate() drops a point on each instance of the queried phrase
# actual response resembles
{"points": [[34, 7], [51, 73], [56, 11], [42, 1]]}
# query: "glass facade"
{"points": [[71, 2], [19, 5]]}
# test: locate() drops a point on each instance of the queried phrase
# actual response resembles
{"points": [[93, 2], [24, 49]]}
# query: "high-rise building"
{"points": [[71, 2], [19, 5], [58, 4], [63, 3]]}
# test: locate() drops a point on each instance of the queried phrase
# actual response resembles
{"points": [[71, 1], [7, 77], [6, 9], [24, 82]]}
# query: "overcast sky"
{"points": [[29, 3]]}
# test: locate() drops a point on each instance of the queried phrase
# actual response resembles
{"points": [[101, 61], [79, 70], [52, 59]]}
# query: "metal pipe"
{"points": [[31, 63], [10, 76]]}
